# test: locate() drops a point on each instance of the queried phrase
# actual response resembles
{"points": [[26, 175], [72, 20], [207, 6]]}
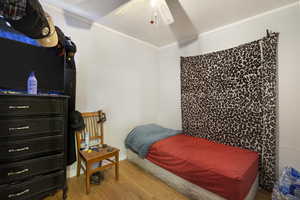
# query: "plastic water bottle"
{"points": [[87, 140], [32, 84]]}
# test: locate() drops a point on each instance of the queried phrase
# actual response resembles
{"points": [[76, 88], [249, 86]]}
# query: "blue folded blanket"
{"points": [[140, 139]]}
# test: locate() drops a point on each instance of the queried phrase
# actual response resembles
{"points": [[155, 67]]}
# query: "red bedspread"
{"points": [[224, 170]]}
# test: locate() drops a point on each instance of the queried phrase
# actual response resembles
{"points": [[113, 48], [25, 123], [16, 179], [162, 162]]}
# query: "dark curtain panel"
{"points": [[230, 97]]}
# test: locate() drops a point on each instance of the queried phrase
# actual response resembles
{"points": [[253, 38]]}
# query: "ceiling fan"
{"points": [[96, 9], [171, 11], [159, 7], [173, 15]]}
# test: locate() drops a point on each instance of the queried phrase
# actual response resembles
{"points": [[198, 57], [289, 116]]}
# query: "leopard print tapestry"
{"points": [[230, 97]]}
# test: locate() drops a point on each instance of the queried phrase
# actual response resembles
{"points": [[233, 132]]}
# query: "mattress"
{"points": [[190, 190], [224, 170]]}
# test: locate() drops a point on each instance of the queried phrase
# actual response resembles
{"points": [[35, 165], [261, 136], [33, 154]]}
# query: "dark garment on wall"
{"points": [[67, 48], [70, 89], [230, 97]]}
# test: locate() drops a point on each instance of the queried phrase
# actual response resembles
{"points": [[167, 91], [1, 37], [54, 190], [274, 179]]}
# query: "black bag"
{"points": [[76, 121]]}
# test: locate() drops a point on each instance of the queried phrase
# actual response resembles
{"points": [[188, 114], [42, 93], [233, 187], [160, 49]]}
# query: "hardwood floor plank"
{"points": [[144, 180], [134, 184]]}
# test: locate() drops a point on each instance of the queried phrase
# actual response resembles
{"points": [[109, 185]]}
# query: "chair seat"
{"points": [[103, 153]]}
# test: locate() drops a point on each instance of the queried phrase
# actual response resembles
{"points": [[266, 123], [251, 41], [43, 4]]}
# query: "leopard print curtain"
{"points": [[230, 97]]}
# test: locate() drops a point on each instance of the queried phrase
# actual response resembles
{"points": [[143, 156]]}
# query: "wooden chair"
{"points": [[94, 126]]}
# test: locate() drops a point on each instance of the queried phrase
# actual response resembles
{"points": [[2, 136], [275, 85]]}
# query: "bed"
{"points": [[201, 169]]}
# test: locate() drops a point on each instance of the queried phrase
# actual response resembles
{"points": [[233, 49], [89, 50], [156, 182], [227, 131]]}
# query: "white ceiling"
{"points": [[192, 16]]}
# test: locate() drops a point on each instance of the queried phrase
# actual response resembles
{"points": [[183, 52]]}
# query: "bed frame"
{"points": [[183, 186]]}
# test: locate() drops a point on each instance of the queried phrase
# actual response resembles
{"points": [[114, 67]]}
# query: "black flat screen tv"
{"points": [[18, 59]]}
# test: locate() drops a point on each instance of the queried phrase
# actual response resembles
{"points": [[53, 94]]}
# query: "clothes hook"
{"points": [[268, 33]]}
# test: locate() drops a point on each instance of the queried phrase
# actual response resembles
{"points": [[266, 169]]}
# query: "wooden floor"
{"points": [[134, 184]]}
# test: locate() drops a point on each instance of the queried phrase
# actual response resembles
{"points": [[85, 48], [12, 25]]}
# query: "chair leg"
{"points": [[78, 166], [117, 166], [87, 178]]}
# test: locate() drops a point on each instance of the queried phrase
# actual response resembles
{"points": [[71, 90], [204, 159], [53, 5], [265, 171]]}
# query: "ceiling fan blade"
{"points": [[127, 6], [183, 29], [165, 12], [91, 9], [102, 7]]}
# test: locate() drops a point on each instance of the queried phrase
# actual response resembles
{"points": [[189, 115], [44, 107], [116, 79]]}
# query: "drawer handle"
{"points": [[18, 172], [18, 194], [18, 107], [19, 128], [18, 150]]}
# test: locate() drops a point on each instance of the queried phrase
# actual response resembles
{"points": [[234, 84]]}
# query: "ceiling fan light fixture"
{"points": [[154, 18]]}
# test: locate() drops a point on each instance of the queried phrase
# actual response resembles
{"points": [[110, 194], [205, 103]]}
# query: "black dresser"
{"points": [[33, 132]]}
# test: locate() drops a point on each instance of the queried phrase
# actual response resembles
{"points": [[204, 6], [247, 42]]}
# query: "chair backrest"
{"points": [[93, 125]]}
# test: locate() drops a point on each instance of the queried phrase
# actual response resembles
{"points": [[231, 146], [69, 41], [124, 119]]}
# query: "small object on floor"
{"points": [[97, 178], [288, 185]]}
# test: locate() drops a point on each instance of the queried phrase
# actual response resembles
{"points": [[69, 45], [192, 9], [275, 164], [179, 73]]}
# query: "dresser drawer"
{"points": [[31, 127], [14, 106], [15, 151], [20, 170], [27, 190]]}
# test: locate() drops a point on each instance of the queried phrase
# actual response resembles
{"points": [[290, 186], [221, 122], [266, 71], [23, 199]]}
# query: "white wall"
{"points": [[115, 73], [286, 21]]}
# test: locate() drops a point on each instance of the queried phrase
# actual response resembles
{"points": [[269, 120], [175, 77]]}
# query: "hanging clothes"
{"points": [[67, 48]]}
